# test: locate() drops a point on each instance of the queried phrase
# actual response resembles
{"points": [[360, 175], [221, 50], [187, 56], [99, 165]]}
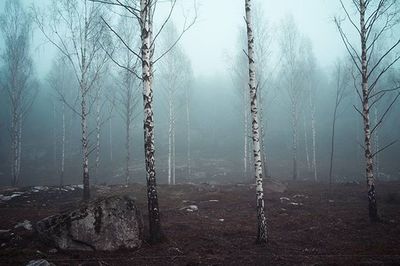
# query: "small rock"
{"points": [[191, 208], [3, 245], [331, 201], [25, 224], [105, 224], [296, 203], [221, 220], [392, 221], [53, 250], [283, 199], [213, 200]]}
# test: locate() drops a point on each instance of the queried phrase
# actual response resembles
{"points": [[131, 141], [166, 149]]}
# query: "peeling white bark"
{"points": [[146, 17], [373, 212], [262, 227]]}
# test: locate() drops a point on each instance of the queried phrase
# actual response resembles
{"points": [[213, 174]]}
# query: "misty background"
{"points": [[213, 47]]}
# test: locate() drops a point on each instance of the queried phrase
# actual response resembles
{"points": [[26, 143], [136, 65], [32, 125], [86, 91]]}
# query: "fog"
{"points": [[213, 47]]}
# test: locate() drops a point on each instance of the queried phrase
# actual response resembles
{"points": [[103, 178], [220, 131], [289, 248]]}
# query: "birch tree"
{"points": [[128, 94], [341, 78], [263, 53], [174, 69], [59, 80], [290, 45], [258, 168], [75, 29], [376, 22], [309, 72], [239, 77], [144, 11], [187, 84], [17, 81]]}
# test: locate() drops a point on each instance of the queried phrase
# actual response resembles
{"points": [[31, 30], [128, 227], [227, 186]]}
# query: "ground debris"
{"points": [[26, 224]]}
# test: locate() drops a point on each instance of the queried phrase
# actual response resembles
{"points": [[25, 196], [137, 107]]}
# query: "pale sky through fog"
{"points": [[215, 34], [213, 38]]}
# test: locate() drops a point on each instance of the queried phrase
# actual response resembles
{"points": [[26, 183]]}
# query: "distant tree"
{"points": [[174, 73], [239, 75], [374, 29], [17, 80], [76, 30], [258, 164], [128, 93], [292, 75], [309, 79], [264, 71], [59, 79], [188, 77], [144, 11], [341, 78]]}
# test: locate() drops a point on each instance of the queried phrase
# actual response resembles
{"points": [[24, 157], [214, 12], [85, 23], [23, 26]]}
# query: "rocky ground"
{"points": [[208, 224]]}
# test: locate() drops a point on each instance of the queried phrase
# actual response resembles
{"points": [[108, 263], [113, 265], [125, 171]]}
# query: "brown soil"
{"points": [[309, 229]]}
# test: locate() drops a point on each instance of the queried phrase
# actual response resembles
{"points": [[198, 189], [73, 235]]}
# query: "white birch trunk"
{"points": [[261, 228], [14, 149], [262, 139], [245, 110], [18, 149], [170, 139], [62, 145], [54, 136], [294, 140], [314, 148], [110, 139], [85, 146], [147, 77], [306, 144], [173, 153], [189, 168], [373, 212], [128, 135], [97, 161]]}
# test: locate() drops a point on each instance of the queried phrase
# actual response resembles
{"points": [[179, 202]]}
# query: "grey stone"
{"points": [[104, 224]]}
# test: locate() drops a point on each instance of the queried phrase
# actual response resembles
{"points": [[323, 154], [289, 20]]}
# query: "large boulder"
{"points": [[104, 224]]}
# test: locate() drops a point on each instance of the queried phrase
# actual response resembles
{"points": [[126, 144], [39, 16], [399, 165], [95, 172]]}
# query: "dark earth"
{"points": [[306, 226]]}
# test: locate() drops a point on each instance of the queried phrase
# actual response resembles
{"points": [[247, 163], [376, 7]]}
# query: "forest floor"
{"points": [[306, 226]]}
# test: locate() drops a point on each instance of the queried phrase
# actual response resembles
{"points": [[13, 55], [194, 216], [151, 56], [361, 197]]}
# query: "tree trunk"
{"points": [[332, 144], [110, 140], [314, 148], [173, 152], [127, 144], [262, 227], [14, 148], [245, 110], [98, 128], [147, 77], [294, 140], [170, 139], [19, 147], [62, 145], [54, 137], [372, 206], [189, 168], [306, 144], [85, 149], [262, 133]]}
